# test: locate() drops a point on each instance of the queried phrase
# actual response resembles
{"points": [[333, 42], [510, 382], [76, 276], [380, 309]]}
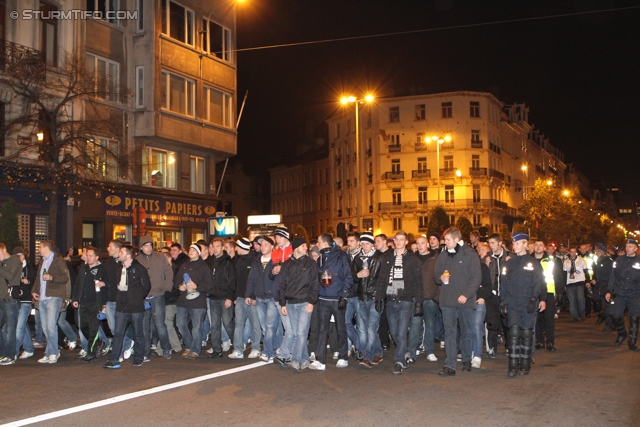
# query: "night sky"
{"points": [[579, 74]]}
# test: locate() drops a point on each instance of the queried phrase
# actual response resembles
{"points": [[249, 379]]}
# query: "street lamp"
{"points": [[440, 140], [347, 100]]}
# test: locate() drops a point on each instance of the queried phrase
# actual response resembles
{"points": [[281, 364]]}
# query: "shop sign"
{"points": [[223, 226], [159, 210]]}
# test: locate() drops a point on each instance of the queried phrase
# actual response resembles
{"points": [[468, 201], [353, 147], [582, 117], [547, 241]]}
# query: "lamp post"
{"points": [[439, 140], [347, 100]]}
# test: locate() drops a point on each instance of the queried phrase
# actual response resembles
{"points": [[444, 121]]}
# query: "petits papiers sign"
{"points": [[158, 210]]}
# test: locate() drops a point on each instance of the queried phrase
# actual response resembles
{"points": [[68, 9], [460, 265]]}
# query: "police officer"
{"points": [[601, 274], [545, 323], [624, 292], [523, 292]]}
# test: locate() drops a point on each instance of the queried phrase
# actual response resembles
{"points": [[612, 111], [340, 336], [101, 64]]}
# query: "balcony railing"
{"points": [[447, 173], [390, 206], [421, 146], [422, 173], [476, 143], [393, 176], [478, 171], [496, 174], [22, 59], [394, 148]]}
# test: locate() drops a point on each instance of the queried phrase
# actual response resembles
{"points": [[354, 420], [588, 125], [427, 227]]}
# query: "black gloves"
{"points": [[342, 303], [417, 310], [503, 309], [379, 306]]}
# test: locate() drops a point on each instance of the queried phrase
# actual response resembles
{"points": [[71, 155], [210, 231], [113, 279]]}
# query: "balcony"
{"points": [[403, 206], [496, 174], [393, 176], [394, 148], [476, 143], [478, 171], [23, 60], [421, 173], [447, 173], [421, 146]]}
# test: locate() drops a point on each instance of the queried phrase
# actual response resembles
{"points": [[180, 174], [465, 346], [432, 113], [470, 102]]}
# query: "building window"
{"points": [[104, 158], [397, 196], [476, 193], [423, 222], [368, 119], [422, 195], [197, 174], [49, 33], [477, 220], [395, 139], [177, 94], [394, 114], [395, 166], [228, 187], [140, 19], [371, 200], [217, 40], [474, 109], [369, 152], [448, 163], [177, 22], [397, 224], [422, 164], [107, 8], [452, 219], [139, 87], [105, 75], [475, 162], [159, 168], [41, 232], [348, 128], [219, 107], [448, 194], [447, 110], [420, 112], [475, 139]]}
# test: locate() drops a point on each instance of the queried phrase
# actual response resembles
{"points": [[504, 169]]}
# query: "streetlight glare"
{"points": [[549, 182], [368, 98], [344, 100], [565, 192], [458, 173], [524, 168], [447, 138]]}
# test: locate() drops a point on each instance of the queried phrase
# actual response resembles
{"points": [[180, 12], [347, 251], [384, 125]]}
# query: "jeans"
{"points": [[368, 321], [66, 327], [156, 315], [352, 333], [243, 313], [268, 315], [169, 320], [111, 321], [9, 312], [284, 349], [575, 294], [438, 326], [23, 333], [399, 314], [326, 308], [122, 321], [451, 316], [430, 309], [39, 333], [49, 314], [219, 317], [192, 339], [299, 320], [477, 324]]}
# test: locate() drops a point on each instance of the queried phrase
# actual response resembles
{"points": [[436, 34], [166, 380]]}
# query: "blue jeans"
{"points": [[9, 312], [451, 316], [438, 327], [243, 313], [192, 339], [49, 314], [399, 315], [23, 333], [269, 319], [122, 322], [299, 320], [352, 333], [66, 327], [220, 316], [156, 315], [575, 294], [111, 321], [430, 309], [477, 324], [368, 322], [284, 349]]}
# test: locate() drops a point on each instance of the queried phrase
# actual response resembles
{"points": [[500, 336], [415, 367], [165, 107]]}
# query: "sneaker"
{"points": [[264, 357], [236, 355], [312, 356], [342, 363], [82, 354], [226, 346], [5, 361], [186, 353], [336, 355], [45, 359], [194, 356], [475, 362], [317, 366], [137, 363], [441, 344], [466, 366], [409, 360], [555, 316], [88, 358], [146, 360], [304, 364], [38, 345], [254, 354], [111, 365], [167, 354], [294, 366], [210, 350], [280, 361], [366, 364], [71, 345], [397, 369], [25, 355], [432, 358], [153, 346], [105, 349], [213, 355], [491, 353], [128, 352], [204, 344], [54, 358], [447, 372], [376, 360]]}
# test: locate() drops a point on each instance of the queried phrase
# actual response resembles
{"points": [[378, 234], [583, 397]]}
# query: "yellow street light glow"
{"points": [[351, 99], [440, 141], [549, 182], [434, 138], [40, 136], [447, 138], [458, 173], [524, 167], [344, 100], [565, 192], [369, 98]]}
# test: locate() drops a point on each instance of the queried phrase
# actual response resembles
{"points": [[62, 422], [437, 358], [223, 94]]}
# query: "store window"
{"points": [[158, 168]]}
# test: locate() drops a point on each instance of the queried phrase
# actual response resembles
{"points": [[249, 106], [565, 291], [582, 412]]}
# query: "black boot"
{"points": [[633, 334], [622, 332], [526, 340], [514, 351]]}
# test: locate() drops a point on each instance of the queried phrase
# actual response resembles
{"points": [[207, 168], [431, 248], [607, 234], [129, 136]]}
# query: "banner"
{"points": [[175, 212]]}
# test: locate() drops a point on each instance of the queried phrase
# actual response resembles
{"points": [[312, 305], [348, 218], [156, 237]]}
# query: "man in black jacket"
{"points": [[400, 282], [10, 273], [23, 334], [298, 293], [133, 287], [601, 274], [221, 296]]}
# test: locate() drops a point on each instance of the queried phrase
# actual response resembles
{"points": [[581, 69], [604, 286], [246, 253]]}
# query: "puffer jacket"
{"points": [[337, 262]]}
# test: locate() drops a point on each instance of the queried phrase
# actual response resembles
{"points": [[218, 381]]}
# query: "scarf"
{"points": [[366, 258], [355, 253], [572, 272], [396, 277], [454, 251]]}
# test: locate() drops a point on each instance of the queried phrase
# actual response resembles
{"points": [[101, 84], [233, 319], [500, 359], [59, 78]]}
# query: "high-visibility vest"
{"points": [[547, 264]]}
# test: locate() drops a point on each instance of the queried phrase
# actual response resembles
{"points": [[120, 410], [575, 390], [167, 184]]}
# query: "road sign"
{"points": [[225, 226]]}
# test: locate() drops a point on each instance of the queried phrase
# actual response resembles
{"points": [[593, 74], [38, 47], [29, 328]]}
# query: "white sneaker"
{"points": [[25, 355], [210, 350], [128, 352], [342, 363], [265, 358], [475, 362], [45, 359], [312, 356], [441, 344], [336, 355], [555, 316], [71, 345], [53, 358], [317, 366], [204, 343], [226, 346], [236, 355], [254, 354], [432, 358]]}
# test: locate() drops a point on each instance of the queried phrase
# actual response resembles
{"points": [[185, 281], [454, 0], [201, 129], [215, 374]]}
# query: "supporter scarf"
{"points": [[396, 277]]}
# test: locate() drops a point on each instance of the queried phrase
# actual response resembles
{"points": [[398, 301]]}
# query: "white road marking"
{"points": [[129, 396]]}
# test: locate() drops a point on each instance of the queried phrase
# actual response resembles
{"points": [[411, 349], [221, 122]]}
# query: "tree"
{"points": [[66, 125], [438, 221], [505, 233], [9, 225], [300, 231], [615, 237], [465, 227]]}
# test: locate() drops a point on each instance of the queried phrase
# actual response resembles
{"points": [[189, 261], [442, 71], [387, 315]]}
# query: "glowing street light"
{"points": [[565, 193], [440, 140]]}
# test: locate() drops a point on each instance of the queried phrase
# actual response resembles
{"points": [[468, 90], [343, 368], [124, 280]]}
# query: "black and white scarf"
{"points": [[396, 277], [572, 272]]}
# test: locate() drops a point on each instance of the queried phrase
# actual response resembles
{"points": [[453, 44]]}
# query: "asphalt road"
{"points": [[587, 382]]}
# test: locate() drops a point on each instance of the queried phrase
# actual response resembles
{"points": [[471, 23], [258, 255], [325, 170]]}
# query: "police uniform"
{"points": [[523, 286], [545, 323], [601, 274], [624, 290]]}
